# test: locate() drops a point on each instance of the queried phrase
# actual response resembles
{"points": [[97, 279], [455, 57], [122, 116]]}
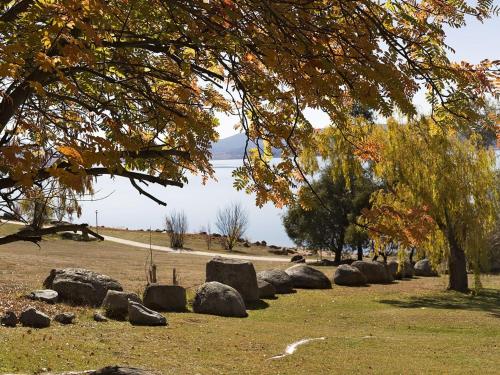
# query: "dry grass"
{"points": [[192, 241], [409, 327]]}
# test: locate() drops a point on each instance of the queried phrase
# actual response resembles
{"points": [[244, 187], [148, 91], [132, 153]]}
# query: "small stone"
{"points": [[117, 370], [297, 258], [34, 318], [98, 317], [9, 319], [44, 295], [115, 303], [65, 318], [142, 316]]}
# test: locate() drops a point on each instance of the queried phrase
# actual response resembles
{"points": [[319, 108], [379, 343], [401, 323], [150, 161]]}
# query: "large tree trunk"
{"points": [[457, 267], [338, 249], [360, 252]]}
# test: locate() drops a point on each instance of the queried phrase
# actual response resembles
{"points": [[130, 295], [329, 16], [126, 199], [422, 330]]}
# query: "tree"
{"points": [[441, 194], [42, 203], [177, 225], [131, 88], [328, 221], [232, 222]]}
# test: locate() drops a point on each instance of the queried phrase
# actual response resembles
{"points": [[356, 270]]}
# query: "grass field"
{"points": [[408, 327]]}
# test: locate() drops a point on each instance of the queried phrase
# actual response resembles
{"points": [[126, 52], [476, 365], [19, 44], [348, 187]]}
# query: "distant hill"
{"points": [[232, 147]]}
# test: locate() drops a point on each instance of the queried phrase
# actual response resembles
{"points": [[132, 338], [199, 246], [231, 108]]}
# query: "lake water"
{"points": [[126, 208]]}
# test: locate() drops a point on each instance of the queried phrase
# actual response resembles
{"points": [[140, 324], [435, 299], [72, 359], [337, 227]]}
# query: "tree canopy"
{"points": [[441, 194], [330, 222], [133, 88]]}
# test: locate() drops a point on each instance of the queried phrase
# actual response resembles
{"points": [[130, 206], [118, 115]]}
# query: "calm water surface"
{"points": [[127, 209]]}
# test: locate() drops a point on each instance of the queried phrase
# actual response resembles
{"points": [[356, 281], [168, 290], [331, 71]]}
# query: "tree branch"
{"points": [[14, 11], [35, 236]]}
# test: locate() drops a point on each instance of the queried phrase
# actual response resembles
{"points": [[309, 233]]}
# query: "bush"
{"points": [[176, 225], [232, 222]]}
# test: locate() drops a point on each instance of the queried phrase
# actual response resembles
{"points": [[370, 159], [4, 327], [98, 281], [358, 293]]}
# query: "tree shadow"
{"points": [[488, 300], [258, 305]]}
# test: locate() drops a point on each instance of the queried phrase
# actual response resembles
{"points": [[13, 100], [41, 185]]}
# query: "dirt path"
{"points": [[166, 249], [196, 252]]}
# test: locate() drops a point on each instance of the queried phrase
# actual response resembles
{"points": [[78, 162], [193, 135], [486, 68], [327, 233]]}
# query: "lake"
{"points": [[126, 208]]}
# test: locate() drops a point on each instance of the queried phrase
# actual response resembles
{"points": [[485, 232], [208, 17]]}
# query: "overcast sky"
{"points": [[473, 43]]}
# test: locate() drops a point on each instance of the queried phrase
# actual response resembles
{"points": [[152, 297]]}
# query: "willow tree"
{"points": [[441, 194], [132, 88]]}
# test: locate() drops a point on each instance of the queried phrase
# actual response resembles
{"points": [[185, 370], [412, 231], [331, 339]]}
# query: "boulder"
{"points": [[406, 270], [44, 295], [98, 317], [80, 286], [306, 277], [34, 318], [349, 276], [118, 370], [298, 259], [142, 316], [238, 274], [65, 318], [9, 319], [266, 290], [424, 268], [375, 272], [115, 303], [165, 297], [279, 279], [219, 299]]}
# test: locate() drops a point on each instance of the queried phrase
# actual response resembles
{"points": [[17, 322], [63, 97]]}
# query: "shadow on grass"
{"points": [[259, 305], [487, 300]]}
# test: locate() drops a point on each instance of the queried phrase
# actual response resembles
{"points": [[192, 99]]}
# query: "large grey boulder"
{"points": [[348, 276], [44, 295], [34, 318], [9, 319], [238, 274], [405, 271], [80, 286], [424, 268], [219, 299], [115, 303], [375, 272], [142, 316], [307, 277], [266, 290], [165, 297], [279, 279]]}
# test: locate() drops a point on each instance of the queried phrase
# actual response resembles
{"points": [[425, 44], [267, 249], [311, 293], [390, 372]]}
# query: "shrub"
{"points": [[232, 222], [176, 225]]}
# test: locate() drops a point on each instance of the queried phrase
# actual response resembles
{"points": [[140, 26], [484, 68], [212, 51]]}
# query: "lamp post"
{"points": [[96, 226]]}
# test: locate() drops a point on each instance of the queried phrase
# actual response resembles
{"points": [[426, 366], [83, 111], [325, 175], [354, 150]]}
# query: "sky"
{"points": [[473, 43]]}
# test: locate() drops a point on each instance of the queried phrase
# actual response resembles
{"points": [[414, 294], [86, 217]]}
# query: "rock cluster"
{"points": [[236, 273], [80, 286]]}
